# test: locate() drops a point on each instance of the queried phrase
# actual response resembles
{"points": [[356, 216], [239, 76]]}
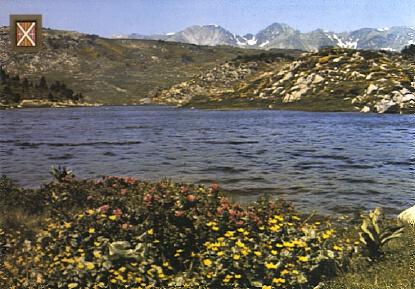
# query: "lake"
{"points": [[331, 162]]}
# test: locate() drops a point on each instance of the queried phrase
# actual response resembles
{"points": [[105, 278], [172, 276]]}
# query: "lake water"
{"points": [[331, 162]]}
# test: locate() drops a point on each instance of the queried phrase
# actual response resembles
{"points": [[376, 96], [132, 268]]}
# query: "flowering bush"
{"points": [[123, 233]]}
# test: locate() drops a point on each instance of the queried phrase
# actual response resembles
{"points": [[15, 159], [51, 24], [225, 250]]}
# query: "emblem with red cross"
{"points": [[26, 33]]}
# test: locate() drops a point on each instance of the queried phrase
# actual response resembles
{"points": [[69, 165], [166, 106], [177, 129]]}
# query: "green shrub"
{"points": [[375, 234], [120, 232]]}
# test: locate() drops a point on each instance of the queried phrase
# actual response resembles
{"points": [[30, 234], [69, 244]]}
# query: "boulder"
{"points": [[372, 87], [408, 97], [397, 96], [287, 76], [405, 91], [387, 106], [317, 79], [408, 216], [295, 95], [300, 80], [369, 76], [365, 109]]}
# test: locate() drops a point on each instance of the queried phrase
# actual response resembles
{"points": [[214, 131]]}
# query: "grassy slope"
{"points": [[115, 71]]}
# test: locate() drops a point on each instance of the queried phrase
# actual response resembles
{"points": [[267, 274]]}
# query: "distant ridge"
{"points": [[280, 35]]}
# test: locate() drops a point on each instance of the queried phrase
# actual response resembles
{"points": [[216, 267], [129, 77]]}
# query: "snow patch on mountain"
{"points": [[252, 41], [264, 44]]}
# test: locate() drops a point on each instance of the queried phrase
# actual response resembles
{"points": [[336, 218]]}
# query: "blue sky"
{"points": [[109, 17]]}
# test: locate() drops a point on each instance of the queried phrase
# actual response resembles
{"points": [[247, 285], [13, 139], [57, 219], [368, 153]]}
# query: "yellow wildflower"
{"points": [[240, 244], [236, 257], [278, 280], [91, 230], [275, 228], [207, 262], [97, 254], [112, 217], [229, 234], [271, 265], [257, 253], [245, 252], [288, 244], [337, 248], [90, 266], [279, 218], [303, 258]]}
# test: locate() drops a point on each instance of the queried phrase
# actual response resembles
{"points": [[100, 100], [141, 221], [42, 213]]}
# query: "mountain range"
{"points": [[279, 35]]}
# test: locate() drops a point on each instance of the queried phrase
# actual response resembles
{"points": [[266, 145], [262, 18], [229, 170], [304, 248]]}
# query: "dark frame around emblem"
{"points": [[14, 20]]}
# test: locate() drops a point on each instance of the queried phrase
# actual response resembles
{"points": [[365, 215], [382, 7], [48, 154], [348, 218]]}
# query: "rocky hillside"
{"points": [[329, 80], [283, 36], [113, 71], [223, 79]]}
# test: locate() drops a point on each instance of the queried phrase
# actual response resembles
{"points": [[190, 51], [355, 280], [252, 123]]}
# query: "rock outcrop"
{"points": [[373, 81], [223, 79], [357, 80], [408, 216]]}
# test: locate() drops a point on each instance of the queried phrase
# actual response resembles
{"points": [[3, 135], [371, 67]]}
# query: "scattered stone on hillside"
{"points": [[317, 79], [386, 105], [225, 78], [373, 81], [365, 109], [372, 87]]}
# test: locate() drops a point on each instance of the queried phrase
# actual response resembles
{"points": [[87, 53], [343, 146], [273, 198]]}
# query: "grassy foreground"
{"points": [[396, 270], [123, 233]]}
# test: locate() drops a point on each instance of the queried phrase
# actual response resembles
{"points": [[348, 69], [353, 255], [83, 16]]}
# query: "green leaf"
{"points": [[257, 284]]}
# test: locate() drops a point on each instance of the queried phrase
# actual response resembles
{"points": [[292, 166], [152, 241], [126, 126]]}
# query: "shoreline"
{"points": [[210, 106], [48, 104], [239, 196]]}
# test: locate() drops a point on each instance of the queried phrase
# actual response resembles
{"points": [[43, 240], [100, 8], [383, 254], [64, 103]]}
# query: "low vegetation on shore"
{"points": [[119, 232]]}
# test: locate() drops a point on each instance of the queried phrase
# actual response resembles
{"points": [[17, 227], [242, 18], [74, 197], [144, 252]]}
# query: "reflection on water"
{"points": [[323, 161]]}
